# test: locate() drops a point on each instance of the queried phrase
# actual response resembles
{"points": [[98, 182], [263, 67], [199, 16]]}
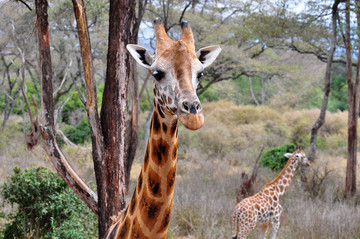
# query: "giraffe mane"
{"points": [[282, 171]]}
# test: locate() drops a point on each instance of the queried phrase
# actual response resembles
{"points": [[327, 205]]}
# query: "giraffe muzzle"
{"points": [[191, 115]]}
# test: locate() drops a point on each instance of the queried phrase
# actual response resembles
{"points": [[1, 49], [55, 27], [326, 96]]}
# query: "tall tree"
{"points": [[353, 100], [113, 111], [321, 119], [107, 131]]}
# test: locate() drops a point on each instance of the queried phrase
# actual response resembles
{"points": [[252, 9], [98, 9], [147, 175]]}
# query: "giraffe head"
{"points": [[299, 156], [177, 70]]}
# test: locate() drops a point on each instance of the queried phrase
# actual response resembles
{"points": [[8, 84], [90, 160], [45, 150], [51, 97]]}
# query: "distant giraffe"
{"points": [[263, 209], [177, 69]]}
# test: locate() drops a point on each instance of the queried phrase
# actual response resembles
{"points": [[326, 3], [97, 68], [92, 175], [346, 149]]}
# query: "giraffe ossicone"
{"points": [[264, 209], [177, 69]]}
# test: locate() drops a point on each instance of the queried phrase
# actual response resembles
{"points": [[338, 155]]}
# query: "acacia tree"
{"points": [[107, 129]]}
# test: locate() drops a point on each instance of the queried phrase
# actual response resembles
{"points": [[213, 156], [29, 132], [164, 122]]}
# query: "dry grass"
{"points": [[205, 196], [210, 162], [13, 153]]}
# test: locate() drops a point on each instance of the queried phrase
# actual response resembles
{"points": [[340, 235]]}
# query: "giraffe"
{"points": [[177, 70], [263, 209]]}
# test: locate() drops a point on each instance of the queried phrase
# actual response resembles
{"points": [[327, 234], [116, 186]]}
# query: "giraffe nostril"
{"points": [[186, 106], [197, 106]]}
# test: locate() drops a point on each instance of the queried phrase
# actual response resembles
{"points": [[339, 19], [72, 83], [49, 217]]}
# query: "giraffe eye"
{"points": [[158, 75]]}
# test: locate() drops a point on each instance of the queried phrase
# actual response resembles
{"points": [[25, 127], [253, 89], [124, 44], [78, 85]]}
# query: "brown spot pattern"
{"points": [[173, 128], [136, 230], [156, 123], [165, 222], [124, 230], [174, 154], [133, 203], [159, 152], [140, 182], [146, 158], [173, 109], [161, 111], [171, 180], [149, 210], [164, 127], [154, 181]]}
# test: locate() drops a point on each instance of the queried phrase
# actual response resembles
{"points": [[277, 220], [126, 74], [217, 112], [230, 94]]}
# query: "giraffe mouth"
{"points": [[192, 121]]}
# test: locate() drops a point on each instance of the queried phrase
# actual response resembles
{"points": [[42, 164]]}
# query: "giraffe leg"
{"points": [[244, 232], [275, 228], [246, 227], [264, 231], [276, 222], [235, 222]]}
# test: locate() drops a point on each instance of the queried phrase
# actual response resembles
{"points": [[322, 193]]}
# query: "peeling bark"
{"points": [[47, 126], [113, 111]]}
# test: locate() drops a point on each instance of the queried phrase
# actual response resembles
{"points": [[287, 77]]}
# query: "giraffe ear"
{"points": [[207, 55], [141, 55], [287, 155]]}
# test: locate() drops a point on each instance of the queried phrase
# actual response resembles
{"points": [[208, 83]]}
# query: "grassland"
{"points": [[211, 160]]}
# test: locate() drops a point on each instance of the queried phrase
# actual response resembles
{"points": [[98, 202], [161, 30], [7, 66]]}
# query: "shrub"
{"points": [[211, 94], [300, 131], [144, 103], [212, 141], [80, 133], [338, 99], [45, 207], [29, 90], [274, 158]]}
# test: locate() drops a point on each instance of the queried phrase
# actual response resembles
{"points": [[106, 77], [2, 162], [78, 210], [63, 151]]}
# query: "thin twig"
{"points": [[23, 2]]}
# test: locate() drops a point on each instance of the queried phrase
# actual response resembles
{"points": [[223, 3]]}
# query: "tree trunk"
{"points": [[264, 84], [113, 112], [353, 106], [9, 97], [252, 91], [321, 119], [47, 127]]}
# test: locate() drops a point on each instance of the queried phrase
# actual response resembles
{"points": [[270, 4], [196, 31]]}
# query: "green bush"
{"points": [[338, 99], [144, 103], [78, 134], [30, 92], [274, 158], [44, 207], [211, 94]]}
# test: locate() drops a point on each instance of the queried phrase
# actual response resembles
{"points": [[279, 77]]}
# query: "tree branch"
{"points": [[47, 126], [23, 2], [91, 101]]}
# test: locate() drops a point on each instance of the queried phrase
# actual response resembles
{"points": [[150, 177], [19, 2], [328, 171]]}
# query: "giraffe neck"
{"points": [[283, 180], [148, 213]]}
